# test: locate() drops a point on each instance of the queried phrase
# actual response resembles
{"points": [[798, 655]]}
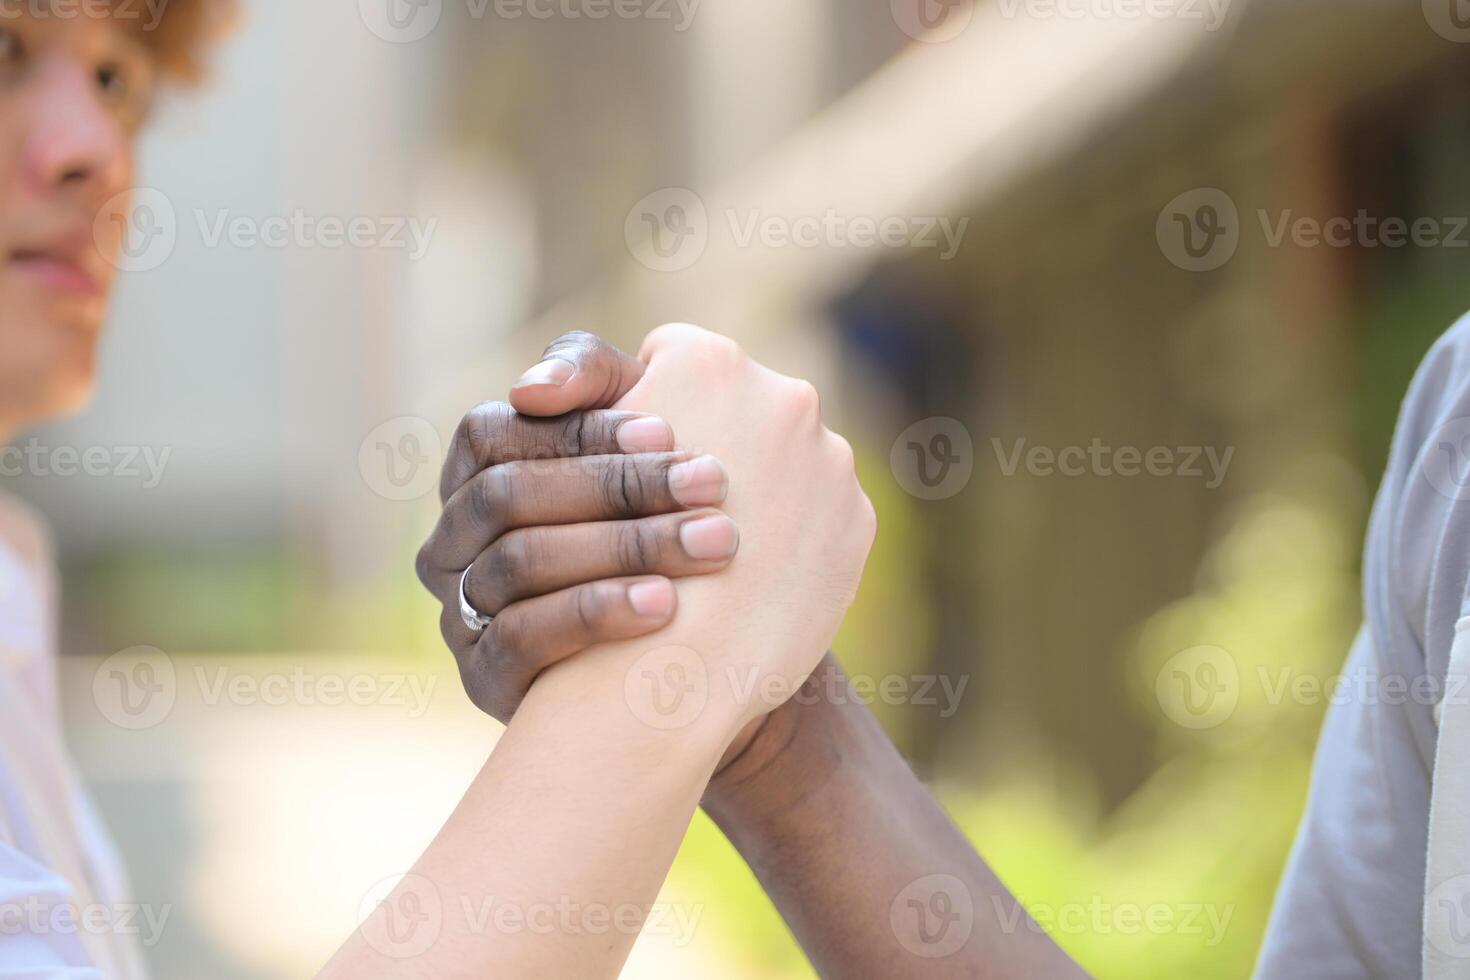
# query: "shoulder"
{"points": [[1417, 565], [1439, 393]]}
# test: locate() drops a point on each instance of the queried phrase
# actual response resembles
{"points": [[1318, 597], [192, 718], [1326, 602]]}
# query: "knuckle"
{"points": [[867, 518], [507, 562], [622, 486], [707, 346], [481, 684], [574, 433], [805, 399], [483, 430], [450, 628], [492, 495], [673, 335], [423, 565], [573, 340], [590, 608], [723, 348], [500, 645], [842, 453], [637, 546]]}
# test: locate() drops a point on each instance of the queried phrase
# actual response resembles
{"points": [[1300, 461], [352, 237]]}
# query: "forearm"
{"points": [[570, 827], [839, 831]]}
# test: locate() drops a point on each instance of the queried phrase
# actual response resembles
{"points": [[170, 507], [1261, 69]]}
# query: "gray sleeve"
{"points": [[1350, 903], [1351, 900]]}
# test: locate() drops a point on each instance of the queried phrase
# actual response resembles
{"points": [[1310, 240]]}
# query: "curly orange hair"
{"points": [[180, 37]]}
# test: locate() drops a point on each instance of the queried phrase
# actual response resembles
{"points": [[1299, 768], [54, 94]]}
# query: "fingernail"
{"points": [[699, 482], [652, 600], [645, 435], [711, 538], [552, 371]]}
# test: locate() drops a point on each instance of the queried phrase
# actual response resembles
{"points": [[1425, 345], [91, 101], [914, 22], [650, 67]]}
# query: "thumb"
{"points": [[579, 371]]}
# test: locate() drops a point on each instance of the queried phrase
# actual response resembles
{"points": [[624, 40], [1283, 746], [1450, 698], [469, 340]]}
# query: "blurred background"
{"points": [[1116, 300]]}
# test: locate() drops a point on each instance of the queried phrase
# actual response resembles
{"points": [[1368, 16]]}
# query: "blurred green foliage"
{"points": [[241, 602]]}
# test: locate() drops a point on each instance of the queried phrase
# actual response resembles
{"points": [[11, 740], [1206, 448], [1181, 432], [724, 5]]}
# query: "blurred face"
{"points": [[73, 91]]}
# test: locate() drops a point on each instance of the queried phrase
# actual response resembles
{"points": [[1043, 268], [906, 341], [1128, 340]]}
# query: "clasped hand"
{"points": [[686, 510]]}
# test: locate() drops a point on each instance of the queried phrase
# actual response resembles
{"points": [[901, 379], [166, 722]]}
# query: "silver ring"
{"points": [[472, 617]]}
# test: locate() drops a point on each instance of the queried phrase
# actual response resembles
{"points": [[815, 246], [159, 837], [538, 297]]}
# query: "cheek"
{"points": [[109, 227]]}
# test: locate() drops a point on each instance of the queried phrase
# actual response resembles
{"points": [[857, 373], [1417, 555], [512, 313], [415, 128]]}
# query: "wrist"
{"points": [[776, 765]]}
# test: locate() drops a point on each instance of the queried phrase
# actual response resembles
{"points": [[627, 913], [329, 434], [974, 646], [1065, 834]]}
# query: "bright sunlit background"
{"points": [[990, 232]]}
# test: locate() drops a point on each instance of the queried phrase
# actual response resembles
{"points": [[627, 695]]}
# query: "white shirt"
{"points": [[62, 911]]}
